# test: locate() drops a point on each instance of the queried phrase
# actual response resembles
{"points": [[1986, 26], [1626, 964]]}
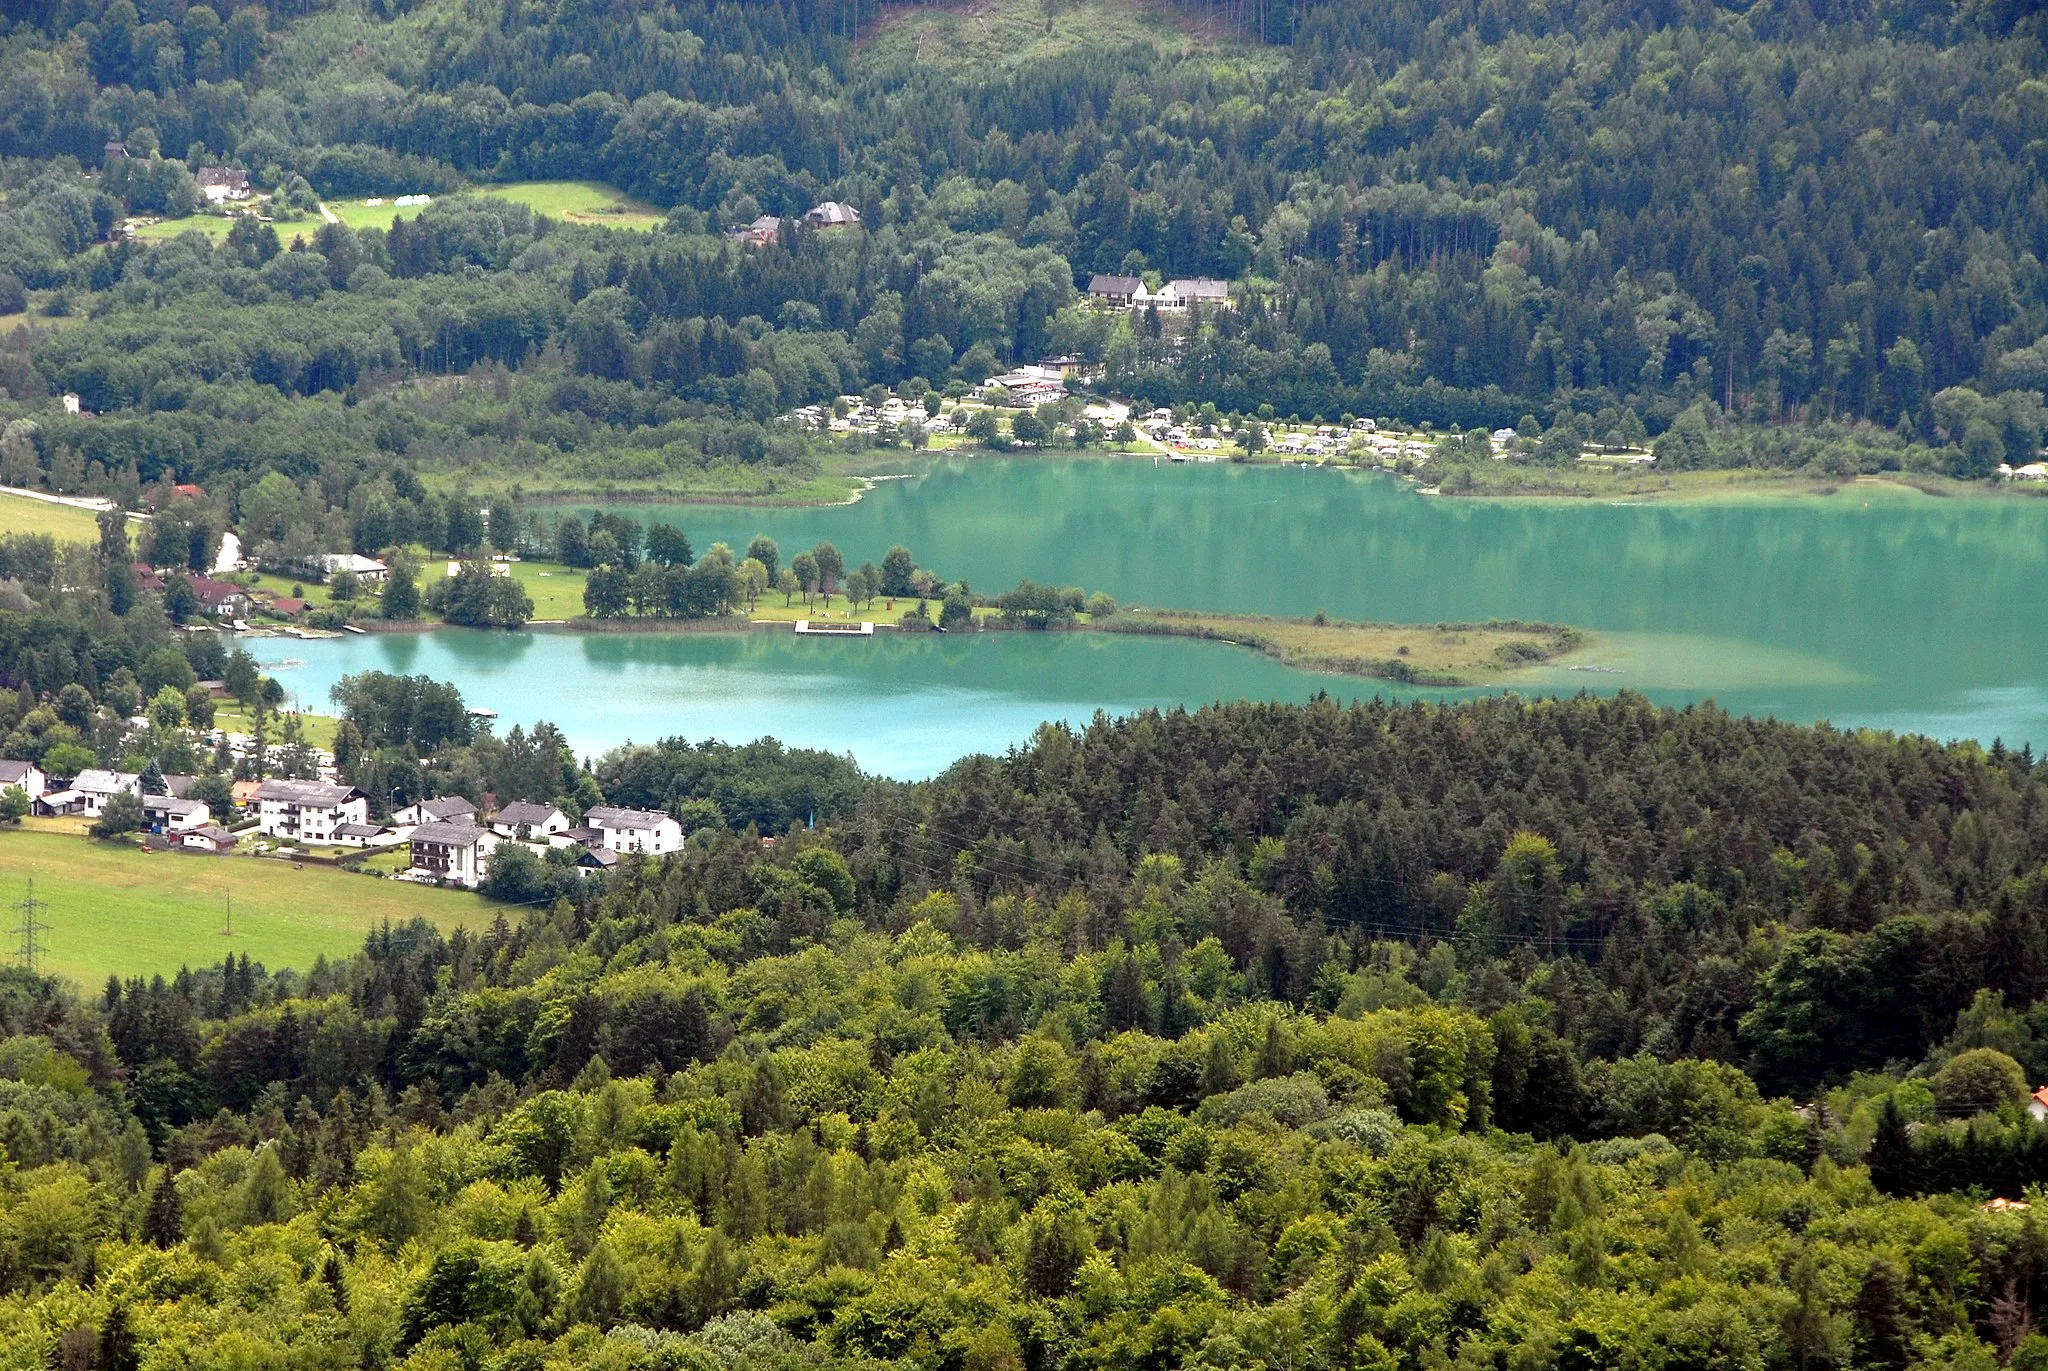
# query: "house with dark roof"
{"points": [[208, 838], [169, 814], [1114, 291], [527, 821], [308, 811], [596, 861], [218, 185], [26, 777], [452, 809], [221, 599]]}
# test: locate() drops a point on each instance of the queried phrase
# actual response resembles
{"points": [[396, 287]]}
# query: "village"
{"points": [[445, 841]]}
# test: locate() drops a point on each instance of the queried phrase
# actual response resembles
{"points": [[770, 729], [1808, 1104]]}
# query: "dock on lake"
{"points": [[864, 629]]}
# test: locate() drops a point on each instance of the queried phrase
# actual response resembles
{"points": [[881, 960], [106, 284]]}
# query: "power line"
{"points": [[30, 908]]}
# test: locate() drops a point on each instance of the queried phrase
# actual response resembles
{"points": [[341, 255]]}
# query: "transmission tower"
{"points": [[31, 926]]}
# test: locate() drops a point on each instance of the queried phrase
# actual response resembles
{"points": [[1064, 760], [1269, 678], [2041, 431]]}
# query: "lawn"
{"points": [[112, 910], [65, 523], [576, 202]]}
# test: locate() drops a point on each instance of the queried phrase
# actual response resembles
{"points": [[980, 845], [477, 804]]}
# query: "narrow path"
{"points": [[329, 215]]}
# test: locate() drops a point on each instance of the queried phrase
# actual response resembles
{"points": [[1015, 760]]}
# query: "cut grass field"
{"points": [[575, 202], [112, 910], [995, 34], [1427, 654], [65, 523]]}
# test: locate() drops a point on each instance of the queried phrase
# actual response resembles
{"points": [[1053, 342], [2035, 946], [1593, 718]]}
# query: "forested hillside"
{"points": [[1466, 215], [1387, 1036]]}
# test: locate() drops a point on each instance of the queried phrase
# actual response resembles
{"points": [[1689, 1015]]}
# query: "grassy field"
{"points": [[1429, 654], [65, 523], [576, 202], [982, 34], [112, 910]]}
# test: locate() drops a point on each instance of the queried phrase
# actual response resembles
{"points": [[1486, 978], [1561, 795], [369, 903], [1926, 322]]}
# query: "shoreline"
{"points": [[1705, 486], [1376, 651]]}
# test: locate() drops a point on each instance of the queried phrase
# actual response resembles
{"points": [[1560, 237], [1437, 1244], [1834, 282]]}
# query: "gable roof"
{"points": [[231, 177], [1200, 288], [446, 807], [317, 793], [615, 816], [448, 834], [832, 214], [12, 772], [1113, 285], [212, 592], [99, 782], [597, 858], [527, 812], [171, 804]]}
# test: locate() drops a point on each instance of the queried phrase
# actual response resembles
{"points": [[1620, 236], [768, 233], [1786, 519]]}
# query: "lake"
{"points": [[1875, 606]]}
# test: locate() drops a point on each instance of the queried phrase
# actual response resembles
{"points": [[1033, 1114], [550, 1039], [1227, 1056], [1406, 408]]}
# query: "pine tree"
{"points": [[1893, 1167], [116, 1350], [164, 1223]]}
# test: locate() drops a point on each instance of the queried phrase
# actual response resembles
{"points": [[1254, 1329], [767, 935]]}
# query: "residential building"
{"points": [[459, 853], [208, 838], [372, 834], [526, 821], [447, 809], [24, 776], [221, 599], [308, 811], [98, 787], [596, 859], [115, 149], [218, 185], [169, 814], [635, 830], [1199, 290], [365, 568], [832, 215], [760, 233], [1114, 291]]}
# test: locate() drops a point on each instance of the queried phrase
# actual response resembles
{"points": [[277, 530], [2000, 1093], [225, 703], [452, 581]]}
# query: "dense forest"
{"points": [[1505, 1034], [1802, 233]]}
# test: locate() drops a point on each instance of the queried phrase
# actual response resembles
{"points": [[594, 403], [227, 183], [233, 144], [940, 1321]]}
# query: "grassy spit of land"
{"points": [[1419, 654]]}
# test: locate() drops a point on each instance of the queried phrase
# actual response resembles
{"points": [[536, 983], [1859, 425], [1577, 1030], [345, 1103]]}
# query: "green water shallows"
{"points": [[1872, 607]]}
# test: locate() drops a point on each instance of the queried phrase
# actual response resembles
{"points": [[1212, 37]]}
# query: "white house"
{"points": [[636, 830], [98, 787], [222, 184], [26, 777], [169, 814], [525, 821], [365, 568], [372, 834], [308, 811], [208, 838], [448, 809], [456, 852]]}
